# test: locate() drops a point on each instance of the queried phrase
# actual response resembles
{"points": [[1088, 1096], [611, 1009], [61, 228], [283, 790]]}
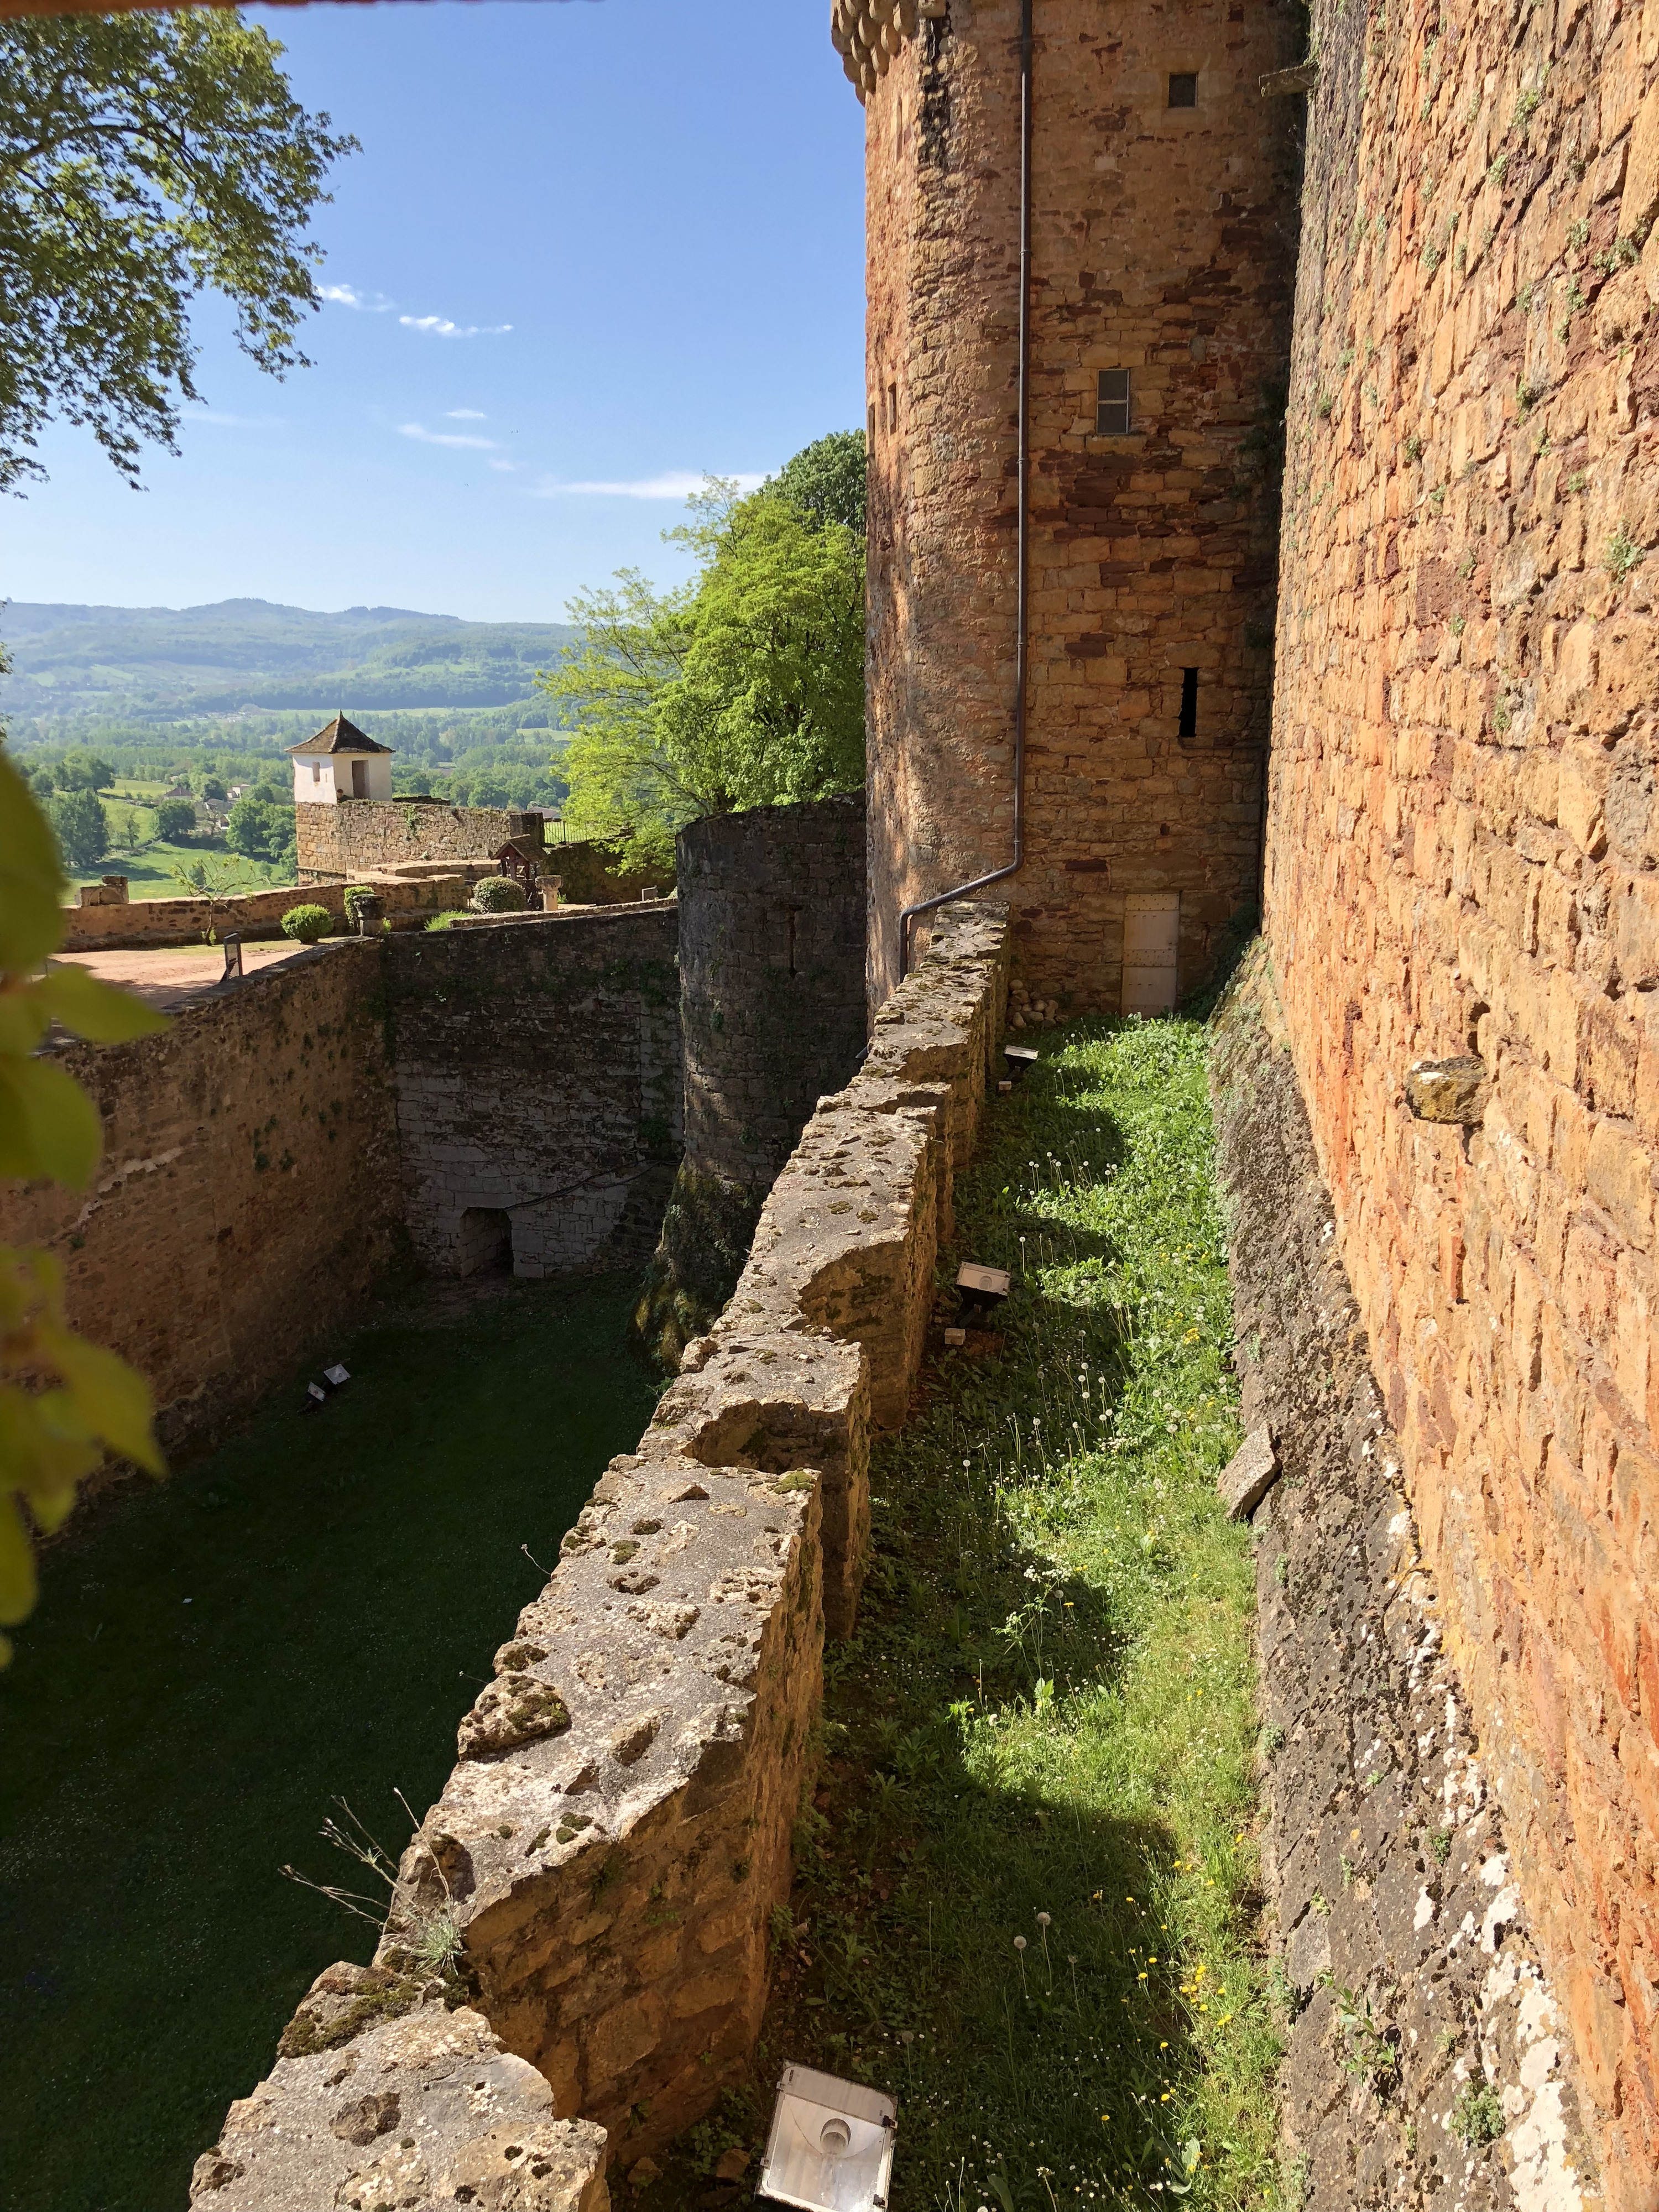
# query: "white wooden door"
{"points": [[1152, 927]]}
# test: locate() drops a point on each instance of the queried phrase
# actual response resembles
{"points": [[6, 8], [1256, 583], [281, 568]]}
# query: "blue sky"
{"points": [[608, 244]]}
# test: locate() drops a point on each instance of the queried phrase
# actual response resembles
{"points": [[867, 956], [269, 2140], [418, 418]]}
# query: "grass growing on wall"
{"points": [[1025, 1900], [305, 1615]]}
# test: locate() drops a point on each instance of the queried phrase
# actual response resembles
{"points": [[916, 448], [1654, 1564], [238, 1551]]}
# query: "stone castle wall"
{"points": [[1463, 855], [1162, 240], [772, 1007], [616, 1834], [249, 1193], [772, 904], [538, 1078], [347, 842]]}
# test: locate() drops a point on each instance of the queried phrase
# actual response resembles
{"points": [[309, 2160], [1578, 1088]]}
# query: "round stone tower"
{"points": [[1162, 206]]}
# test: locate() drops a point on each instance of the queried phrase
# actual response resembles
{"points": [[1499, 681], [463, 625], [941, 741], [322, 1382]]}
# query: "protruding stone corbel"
{"points": [[1454, 1091], [1302, 78]]}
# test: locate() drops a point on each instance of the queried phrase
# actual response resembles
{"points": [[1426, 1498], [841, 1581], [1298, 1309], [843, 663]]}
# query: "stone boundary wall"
{"points": [[249, 1193], [538, 1082], [337, 843], [410, 898], [616, 1833], [1462, 855]]}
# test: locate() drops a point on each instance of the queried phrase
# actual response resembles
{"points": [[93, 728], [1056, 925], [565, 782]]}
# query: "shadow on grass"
{"points": [[304, 1614]]}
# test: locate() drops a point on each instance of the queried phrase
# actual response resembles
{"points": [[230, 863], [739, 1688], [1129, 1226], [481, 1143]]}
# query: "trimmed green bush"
{"points": [[498, 895], [308, 923]]}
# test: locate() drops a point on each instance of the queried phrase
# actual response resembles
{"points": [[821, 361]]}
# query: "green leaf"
{"points": [[17, 1578], [48, 1125], [110, 1397], [23, 1022], [31, 880], [75, 997]]}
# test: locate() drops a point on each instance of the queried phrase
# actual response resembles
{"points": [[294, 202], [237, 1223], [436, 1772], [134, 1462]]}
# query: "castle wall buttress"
{"points": [[1162, 238]]}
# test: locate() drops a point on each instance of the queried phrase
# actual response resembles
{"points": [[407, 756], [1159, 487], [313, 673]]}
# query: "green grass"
{"points": [[1049, 1707], [306, 1615], [148, 872]]}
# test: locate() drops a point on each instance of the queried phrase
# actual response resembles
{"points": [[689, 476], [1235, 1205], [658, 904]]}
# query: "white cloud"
{"points": [[440, 326], [348, 295], [464, 414], [506, 468], [673, 484], [418, 430]]}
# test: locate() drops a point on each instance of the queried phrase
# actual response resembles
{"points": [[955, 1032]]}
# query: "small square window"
{"points": [[1112, 403], [1183, 89]]}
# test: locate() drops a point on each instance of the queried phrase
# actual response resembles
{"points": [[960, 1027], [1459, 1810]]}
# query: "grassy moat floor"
{"points": [[1025, 1900], [304, 1615]]}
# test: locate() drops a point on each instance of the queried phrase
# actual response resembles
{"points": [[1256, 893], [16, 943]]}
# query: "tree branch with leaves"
{"points": [[144, 159], [64, 1403]]}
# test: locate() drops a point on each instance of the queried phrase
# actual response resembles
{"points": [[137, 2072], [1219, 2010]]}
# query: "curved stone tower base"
{"points": [[772, 1008]]}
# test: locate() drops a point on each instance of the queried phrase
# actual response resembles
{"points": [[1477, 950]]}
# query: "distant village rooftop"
{"points": [[340, 736]]}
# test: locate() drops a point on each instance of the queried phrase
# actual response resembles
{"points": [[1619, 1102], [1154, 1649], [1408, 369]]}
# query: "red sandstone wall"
{"points": [[1161, 243], [1463, 852]]}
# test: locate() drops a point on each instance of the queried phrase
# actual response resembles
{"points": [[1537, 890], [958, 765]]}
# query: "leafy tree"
{"points": [[744, 688], [144, 158], [213, 787], [826, 480], [174, 818], [81, 827], [260, 829], [84, 772], [62, 1401]]}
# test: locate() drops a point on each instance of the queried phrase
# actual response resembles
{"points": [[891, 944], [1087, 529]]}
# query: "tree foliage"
{"points": [[62, 1401], [742, 688], [81, 827], [174, 818], [261, 827], [144, 159], [826, 480]]}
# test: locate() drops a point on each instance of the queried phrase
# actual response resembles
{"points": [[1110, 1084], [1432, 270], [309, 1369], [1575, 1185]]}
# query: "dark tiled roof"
{"points": [[340, 736]]}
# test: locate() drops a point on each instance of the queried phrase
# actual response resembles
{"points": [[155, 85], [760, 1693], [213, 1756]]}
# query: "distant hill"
{"points": [[164, 664]]}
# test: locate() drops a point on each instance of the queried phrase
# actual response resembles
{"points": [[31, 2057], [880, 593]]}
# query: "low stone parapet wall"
{"points": [[409, 898], [617, 1833]]}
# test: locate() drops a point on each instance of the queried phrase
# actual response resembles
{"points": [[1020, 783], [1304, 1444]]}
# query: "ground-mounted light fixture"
{"points": [[233, 958], [831, 2145], [981, 1289], [319, 1394], [1019, 1059]]}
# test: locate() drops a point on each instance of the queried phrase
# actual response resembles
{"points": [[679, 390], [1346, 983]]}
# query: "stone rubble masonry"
{"points": [[1385, 1862], [347, 842], [772, 914], [772, 1011], [1462, 857], [423, 2110], [410, 896], [1162, 240], [617, 1834], [538, 1076], [249, 1193], [337, 843]]}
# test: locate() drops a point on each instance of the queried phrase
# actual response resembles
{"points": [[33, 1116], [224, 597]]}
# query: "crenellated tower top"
{"points": [[868, 34]]}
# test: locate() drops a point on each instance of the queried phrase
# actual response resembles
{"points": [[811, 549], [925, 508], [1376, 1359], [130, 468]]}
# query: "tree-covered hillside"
{"points": [[163, 665]]}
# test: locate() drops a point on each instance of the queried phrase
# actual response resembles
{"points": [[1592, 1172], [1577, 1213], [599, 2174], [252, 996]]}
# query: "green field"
{"points": [[302, 1617], [149, 875]]}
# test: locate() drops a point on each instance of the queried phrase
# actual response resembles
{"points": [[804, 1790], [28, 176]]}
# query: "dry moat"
{"points": [[164, 1758]]}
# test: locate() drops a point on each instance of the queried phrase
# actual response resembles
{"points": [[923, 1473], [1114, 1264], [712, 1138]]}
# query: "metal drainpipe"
{"points": [[1022, 498]]}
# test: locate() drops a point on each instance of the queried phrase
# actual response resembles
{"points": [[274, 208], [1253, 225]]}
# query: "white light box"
{"points": [[831, 2145]]}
